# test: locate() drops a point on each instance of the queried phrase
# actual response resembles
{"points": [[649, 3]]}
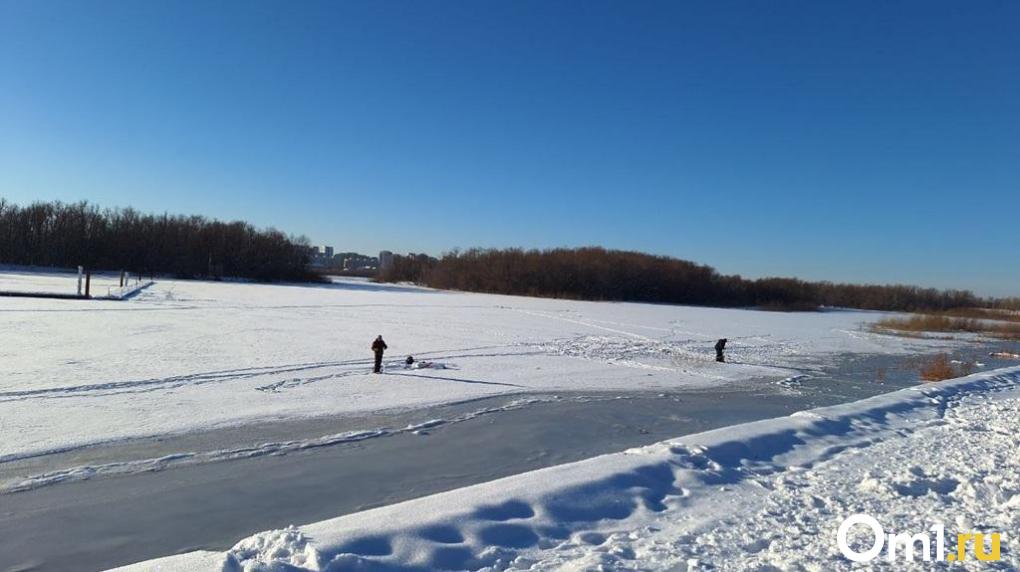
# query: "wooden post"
{"points": [[121, 278], [88, 282]]}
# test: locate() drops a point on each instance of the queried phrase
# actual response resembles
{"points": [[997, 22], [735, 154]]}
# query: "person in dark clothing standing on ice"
{"points": [[378, 346], [719, 347]]}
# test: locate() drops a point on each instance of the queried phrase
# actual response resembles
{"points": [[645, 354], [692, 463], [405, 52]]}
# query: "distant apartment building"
{"points": [[385, 259], [326, 258], [320, 257], [352, 261]]}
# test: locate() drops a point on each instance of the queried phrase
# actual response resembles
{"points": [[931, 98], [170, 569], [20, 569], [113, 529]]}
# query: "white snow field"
{"points": [[65, 283], [183, 356], [763, 496]]}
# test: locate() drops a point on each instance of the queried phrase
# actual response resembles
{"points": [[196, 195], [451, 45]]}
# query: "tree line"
{"points": [[599, 274], [56, 234]]}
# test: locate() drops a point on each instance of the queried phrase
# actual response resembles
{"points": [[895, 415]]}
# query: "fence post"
{"points": [[88, 282], [80, 270]]}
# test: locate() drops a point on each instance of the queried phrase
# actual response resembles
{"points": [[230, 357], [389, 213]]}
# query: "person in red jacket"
{"points": [[378, 346]]}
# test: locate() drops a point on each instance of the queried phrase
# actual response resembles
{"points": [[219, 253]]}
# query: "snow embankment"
{"points": [[767, 495]]}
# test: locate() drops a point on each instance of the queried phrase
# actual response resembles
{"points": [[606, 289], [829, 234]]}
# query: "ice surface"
{"points": [[189, 355], [766, 495]]}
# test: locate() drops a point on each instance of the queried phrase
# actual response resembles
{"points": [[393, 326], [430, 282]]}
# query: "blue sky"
{"points": [[852, 141]]}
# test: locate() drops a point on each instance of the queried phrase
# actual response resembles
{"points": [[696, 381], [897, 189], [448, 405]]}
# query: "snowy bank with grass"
{"points": [[768, 495]]}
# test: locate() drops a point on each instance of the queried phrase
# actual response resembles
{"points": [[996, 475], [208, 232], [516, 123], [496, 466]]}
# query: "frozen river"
{"points": [[115, 519], [198, 413]]}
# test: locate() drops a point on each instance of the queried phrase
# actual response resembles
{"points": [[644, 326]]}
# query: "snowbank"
{"points": [[671, 505]]}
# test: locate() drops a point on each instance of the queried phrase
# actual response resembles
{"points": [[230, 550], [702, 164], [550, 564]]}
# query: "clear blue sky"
{"points": [[858, 141]]}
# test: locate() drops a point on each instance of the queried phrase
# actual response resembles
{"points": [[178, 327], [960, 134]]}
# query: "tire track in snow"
{"points": [[154, 384], [239, 374], [694, 351]]}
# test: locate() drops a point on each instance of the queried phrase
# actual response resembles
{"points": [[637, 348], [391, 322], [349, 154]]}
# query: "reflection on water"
{"points": [[851, 376]]}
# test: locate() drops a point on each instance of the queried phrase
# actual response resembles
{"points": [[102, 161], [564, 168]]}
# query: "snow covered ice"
{"points": [[187, 356]]}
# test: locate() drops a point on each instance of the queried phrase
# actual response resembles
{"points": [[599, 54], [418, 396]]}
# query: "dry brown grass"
{"points": [[942, 323], [1007, 331], [985, 314], [940, 367]]}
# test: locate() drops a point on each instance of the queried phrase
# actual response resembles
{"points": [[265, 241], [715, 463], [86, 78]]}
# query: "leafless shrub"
{"points": [[594, 273], [940, 367], [941, 323]]}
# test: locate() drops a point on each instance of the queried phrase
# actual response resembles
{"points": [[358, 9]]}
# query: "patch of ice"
{"points": [[81, 473], [793, 382]]}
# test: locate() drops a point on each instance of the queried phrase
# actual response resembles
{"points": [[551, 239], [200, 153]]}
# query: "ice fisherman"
{"points": [[719, 347], [378, 347]]}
